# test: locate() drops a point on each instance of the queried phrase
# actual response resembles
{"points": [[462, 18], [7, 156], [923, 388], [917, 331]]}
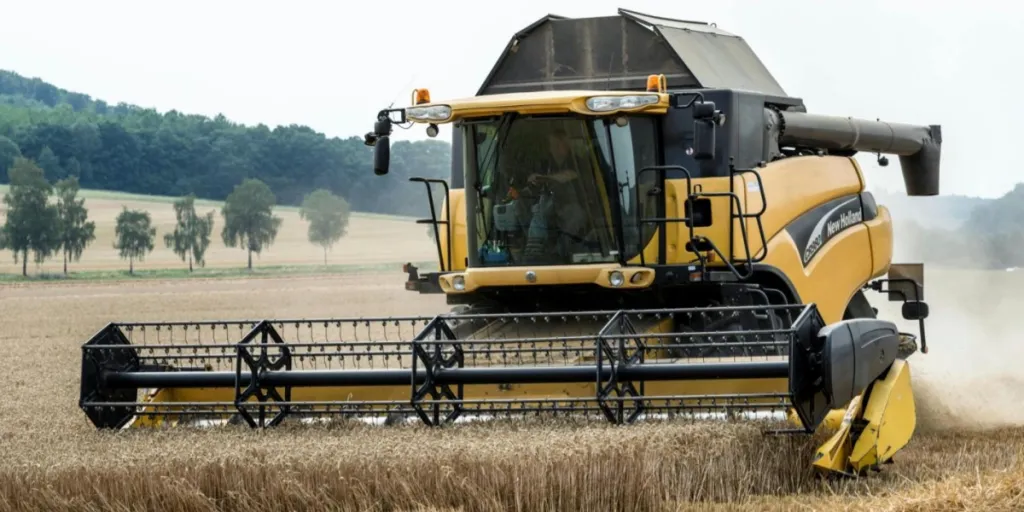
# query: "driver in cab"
{"points": [[556, 173], [558, 166]]}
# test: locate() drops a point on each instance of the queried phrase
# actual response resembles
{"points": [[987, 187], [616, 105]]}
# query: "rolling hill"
{"points": [[127, 148]]}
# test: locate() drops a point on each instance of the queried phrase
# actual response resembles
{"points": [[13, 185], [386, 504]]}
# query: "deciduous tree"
{"points": [[50, 164], [134, 236], [328, 218], [191, 236], [8, 152], [249, 221], [31, 223], [74, 231]]}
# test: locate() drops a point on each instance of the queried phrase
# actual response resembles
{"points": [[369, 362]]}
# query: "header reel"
{"points": [[638, 364]]}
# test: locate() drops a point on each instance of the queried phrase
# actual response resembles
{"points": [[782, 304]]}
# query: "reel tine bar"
{"points": [[620, 353]]}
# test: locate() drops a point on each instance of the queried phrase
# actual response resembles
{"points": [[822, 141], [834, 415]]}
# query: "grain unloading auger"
{"points": [[656, 228]]}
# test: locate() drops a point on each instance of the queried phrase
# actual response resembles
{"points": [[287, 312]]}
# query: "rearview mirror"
{"points": [[703, 110], [703, 140], [705, 123], [382, 155], [913, 310]]}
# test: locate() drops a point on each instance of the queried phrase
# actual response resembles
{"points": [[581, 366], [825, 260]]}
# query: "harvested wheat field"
{"points": [[967, 454], [370, 239]]}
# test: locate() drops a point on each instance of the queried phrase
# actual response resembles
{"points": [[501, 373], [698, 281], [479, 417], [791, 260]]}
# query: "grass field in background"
{"points": [[213, 273], [372, 240], [200, 203]]}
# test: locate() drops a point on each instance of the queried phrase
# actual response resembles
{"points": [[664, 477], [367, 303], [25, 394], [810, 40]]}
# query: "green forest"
{"points": [[128, 148]]}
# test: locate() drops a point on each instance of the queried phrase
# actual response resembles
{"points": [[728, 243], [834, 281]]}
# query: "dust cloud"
{"points": [[973, 374]]}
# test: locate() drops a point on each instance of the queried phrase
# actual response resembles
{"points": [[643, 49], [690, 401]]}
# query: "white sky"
{"points": [[332, 65]]}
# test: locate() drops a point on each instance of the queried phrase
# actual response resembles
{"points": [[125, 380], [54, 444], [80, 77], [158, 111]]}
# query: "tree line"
{"points": [[127, 148], [35, 225], [132, 149], [991, 236]]}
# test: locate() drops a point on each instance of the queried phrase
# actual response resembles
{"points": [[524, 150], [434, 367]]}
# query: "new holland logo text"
{"points": [[829, 226], [844, 221]]}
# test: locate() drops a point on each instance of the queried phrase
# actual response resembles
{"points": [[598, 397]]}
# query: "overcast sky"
{"points": [[332, 65]]}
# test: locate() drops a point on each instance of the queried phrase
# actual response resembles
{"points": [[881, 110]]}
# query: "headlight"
{"points": [[616, 279], [459, 283], [609, 103], [429, 113]]}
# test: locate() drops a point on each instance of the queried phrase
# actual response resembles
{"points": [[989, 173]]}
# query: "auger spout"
{"points": [[919, 147]]}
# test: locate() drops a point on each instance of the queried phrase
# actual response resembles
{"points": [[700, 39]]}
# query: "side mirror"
{"points": [[379, 139], [705, 123], [915, 310], [704, 110], [703, 140], [382, 155]]}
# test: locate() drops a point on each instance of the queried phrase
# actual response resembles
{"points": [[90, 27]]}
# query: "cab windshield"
{"points": [[561, 190]]}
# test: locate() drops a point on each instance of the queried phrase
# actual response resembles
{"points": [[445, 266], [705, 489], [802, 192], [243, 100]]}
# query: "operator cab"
{"points": [[557, 190]]}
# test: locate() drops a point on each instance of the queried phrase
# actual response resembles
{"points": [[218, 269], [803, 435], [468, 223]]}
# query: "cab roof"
{"points": [[620, 52]]}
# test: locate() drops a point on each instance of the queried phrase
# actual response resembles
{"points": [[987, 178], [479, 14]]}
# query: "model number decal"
{"points": [[815, 228]]}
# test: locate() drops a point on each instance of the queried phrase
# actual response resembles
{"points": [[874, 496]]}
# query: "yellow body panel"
{"points": [[791, 187], [880, 231], [540, 102], [457, 260], [598, 274], [559, 392], [718, 232], [890, 416], [833, 456], [796, 185], [889, 419], [832, 277]]}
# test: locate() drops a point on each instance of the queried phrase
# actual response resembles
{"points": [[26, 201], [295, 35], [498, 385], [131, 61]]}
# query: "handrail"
{"points": [[435, 222], [735, 213]]}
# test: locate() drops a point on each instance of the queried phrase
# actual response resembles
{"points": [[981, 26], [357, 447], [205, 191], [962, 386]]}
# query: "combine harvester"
{"points": [[657, 229]]}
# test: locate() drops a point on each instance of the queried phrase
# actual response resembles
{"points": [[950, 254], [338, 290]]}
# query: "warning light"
{"points": [[656, 83], [420, 96]]}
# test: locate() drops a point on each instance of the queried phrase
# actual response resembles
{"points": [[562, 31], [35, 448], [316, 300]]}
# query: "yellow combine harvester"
{"points": [[639, 223]]}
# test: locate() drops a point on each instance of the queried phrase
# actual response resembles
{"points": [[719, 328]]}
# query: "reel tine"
{"points": [[316, 368]]}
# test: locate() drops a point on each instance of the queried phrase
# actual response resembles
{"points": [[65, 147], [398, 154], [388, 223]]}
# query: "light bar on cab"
{"points": [[611, 103], [429, 113]]}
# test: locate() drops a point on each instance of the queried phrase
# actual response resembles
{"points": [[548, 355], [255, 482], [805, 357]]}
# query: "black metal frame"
{"points": [[435, 222], [431, 354], [427, 283], [616, 359], [877, 285], [267, 337], [695, 242], [264, 367]]}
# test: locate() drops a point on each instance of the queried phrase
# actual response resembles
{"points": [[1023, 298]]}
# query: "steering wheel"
{"points": [[535, 190]]}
